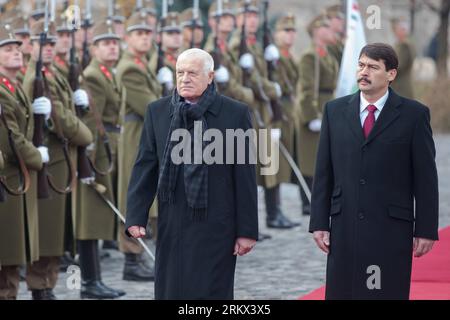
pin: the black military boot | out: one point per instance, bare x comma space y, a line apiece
275, 217
135, 270
40, 294
92, 286
50, 295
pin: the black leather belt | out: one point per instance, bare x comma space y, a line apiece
133, 117
109, 127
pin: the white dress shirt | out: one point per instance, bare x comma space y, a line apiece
363, 107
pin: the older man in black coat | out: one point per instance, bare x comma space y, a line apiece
207, 212
375, 194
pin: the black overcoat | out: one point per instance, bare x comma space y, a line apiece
194, 259
374, 195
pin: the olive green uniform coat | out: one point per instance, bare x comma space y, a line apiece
19, 230
403, 82
52, 212
311, 107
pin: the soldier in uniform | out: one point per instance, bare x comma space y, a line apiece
192, 30
406, 55
140, 88
318, 71
264, 90
22, 33
19, 240
95, 220
288, 76
336, 19
228, 75
171, 44
42, 275
62, 46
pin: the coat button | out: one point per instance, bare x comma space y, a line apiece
361, 216
362, 182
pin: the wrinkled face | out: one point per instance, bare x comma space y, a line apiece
372, 75
172, 39
286, 38
107, 50
140, 40
63, 43
11, 56
48, 52
187, 35
26, 46
192, 80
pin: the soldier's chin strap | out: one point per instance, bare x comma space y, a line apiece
24, 175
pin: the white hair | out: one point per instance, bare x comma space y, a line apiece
208, 61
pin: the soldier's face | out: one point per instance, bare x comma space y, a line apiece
401, 31
372, 75
187, 35
172, 40
286, 38
326, 35
11, 57
63, 43
226, 24
337, 24
192, 80
48, 52
107, 51
252, 21
152, 21
140, 40
26, 46
119, 29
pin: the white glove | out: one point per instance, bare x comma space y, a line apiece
246, 61
42, 106
315, 125
88, 180
271, 53
278, 90
165, 76
275, 134
221, 75
44, 154
81, 99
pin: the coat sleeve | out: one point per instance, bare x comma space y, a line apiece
245, 190
425, 180
144, 177
323, 181
139, 94
25, 147
308, 107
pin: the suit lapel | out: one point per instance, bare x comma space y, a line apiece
352, 114
387, 116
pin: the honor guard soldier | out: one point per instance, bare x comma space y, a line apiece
318, 71
140, 88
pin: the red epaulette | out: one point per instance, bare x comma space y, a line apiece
8, 85
106, 72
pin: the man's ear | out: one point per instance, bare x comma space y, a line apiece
210, 77
392, 74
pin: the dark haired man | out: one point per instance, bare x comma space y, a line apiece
375, 195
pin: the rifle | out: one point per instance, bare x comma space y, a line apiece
85, 167
39, 120
246, 73
24, 176
217, 54
271, 66
86, 58
139, 5
161, 53
195, 16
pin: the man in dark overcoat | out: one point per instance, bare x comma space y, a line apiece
207, 211
375, 195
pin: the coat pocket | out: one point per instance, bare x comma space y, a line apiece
401, 213
337, 191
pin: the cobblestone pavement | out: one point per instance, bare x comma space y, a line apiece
285, 267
